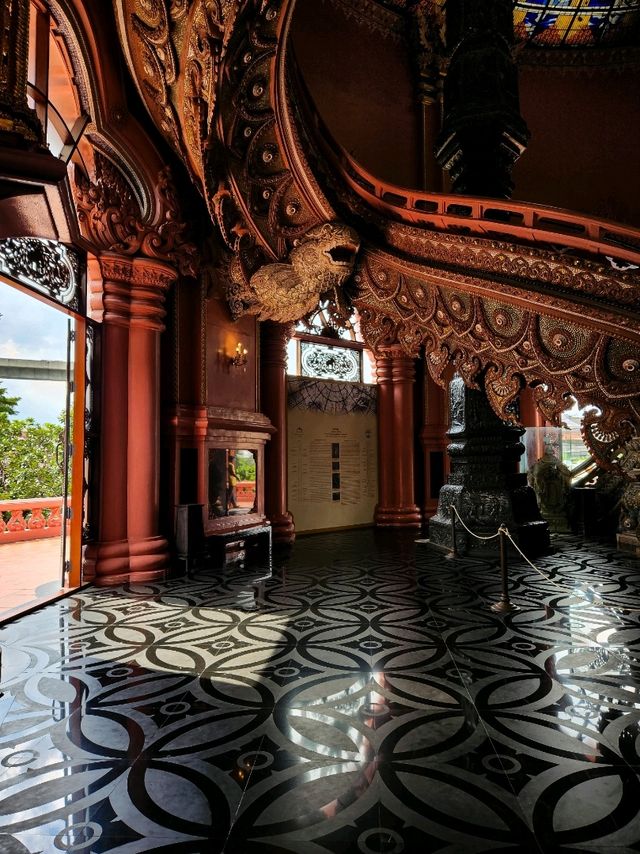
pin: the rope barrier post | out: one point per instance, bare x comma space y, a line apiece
504, 605
454, 547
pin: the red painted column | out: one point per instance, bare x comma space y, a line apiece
107, 560
149, 553
130, 547
273, 378
396, 505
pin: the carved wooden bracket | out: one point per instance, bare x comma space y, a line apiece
320, 263
110, 218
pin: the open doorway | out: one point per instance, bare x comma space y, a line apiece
41, 480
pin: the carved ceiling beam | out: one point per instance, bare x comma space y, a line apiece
209, 74
288, 252
516, 345
174, 49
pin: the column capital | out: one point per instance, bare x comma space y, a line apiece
132, 291
393, 365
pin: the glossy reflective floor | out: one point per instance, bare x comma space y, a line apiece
364, 699
29, 574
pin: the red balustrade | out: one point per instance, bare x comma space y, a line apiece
469, 214
30, 519
246, 493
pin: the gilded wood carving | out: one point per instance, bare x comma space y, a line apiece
318, 266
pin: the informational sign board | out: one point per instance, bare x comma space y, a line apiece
333, 469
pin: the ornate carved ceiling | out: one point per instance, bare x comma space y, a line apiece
174, 49
218, 81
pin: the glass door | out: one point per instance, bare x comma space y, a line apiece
66, 447
42, 415
72, 457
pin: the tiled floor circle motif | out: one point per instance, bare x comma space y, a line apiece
362, 699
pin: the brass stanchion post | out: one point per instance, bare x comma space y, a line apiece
504, 605
454, 547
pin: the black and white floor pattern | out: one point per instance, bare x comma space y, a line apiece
363, 699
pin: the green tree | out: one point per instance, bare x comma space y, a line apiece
7, 404
245, 468
28, 467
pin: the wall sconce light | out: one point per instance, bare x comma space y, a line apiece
239, 358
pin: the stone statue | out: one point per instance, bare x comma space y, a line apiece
629, 532
551, 481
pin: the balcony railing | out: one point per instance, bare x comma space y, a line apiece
30, 519
246, 493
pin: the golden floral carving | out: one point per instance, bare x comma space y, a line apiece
155, 62
208, 26
174, 52
252, 195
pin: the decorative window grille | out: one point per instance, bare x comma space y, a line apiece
330, 363
47, 267
320, 350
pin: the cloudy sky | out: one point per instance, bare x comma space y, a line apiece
29, 329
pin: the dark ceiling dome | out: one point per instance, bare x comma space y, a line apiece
577, 23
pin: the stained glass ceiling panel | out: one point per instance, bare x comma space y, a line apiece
564, 23
577, 23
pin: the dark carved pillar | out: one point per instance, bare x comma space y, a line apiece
427, 53
19, 125
484, 484
483, 133
396, 506
273, 368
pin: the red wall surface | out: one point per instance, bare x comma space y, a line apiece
229, 386
584, 153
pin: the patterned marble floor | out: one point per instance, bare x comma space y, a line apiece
363, 699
